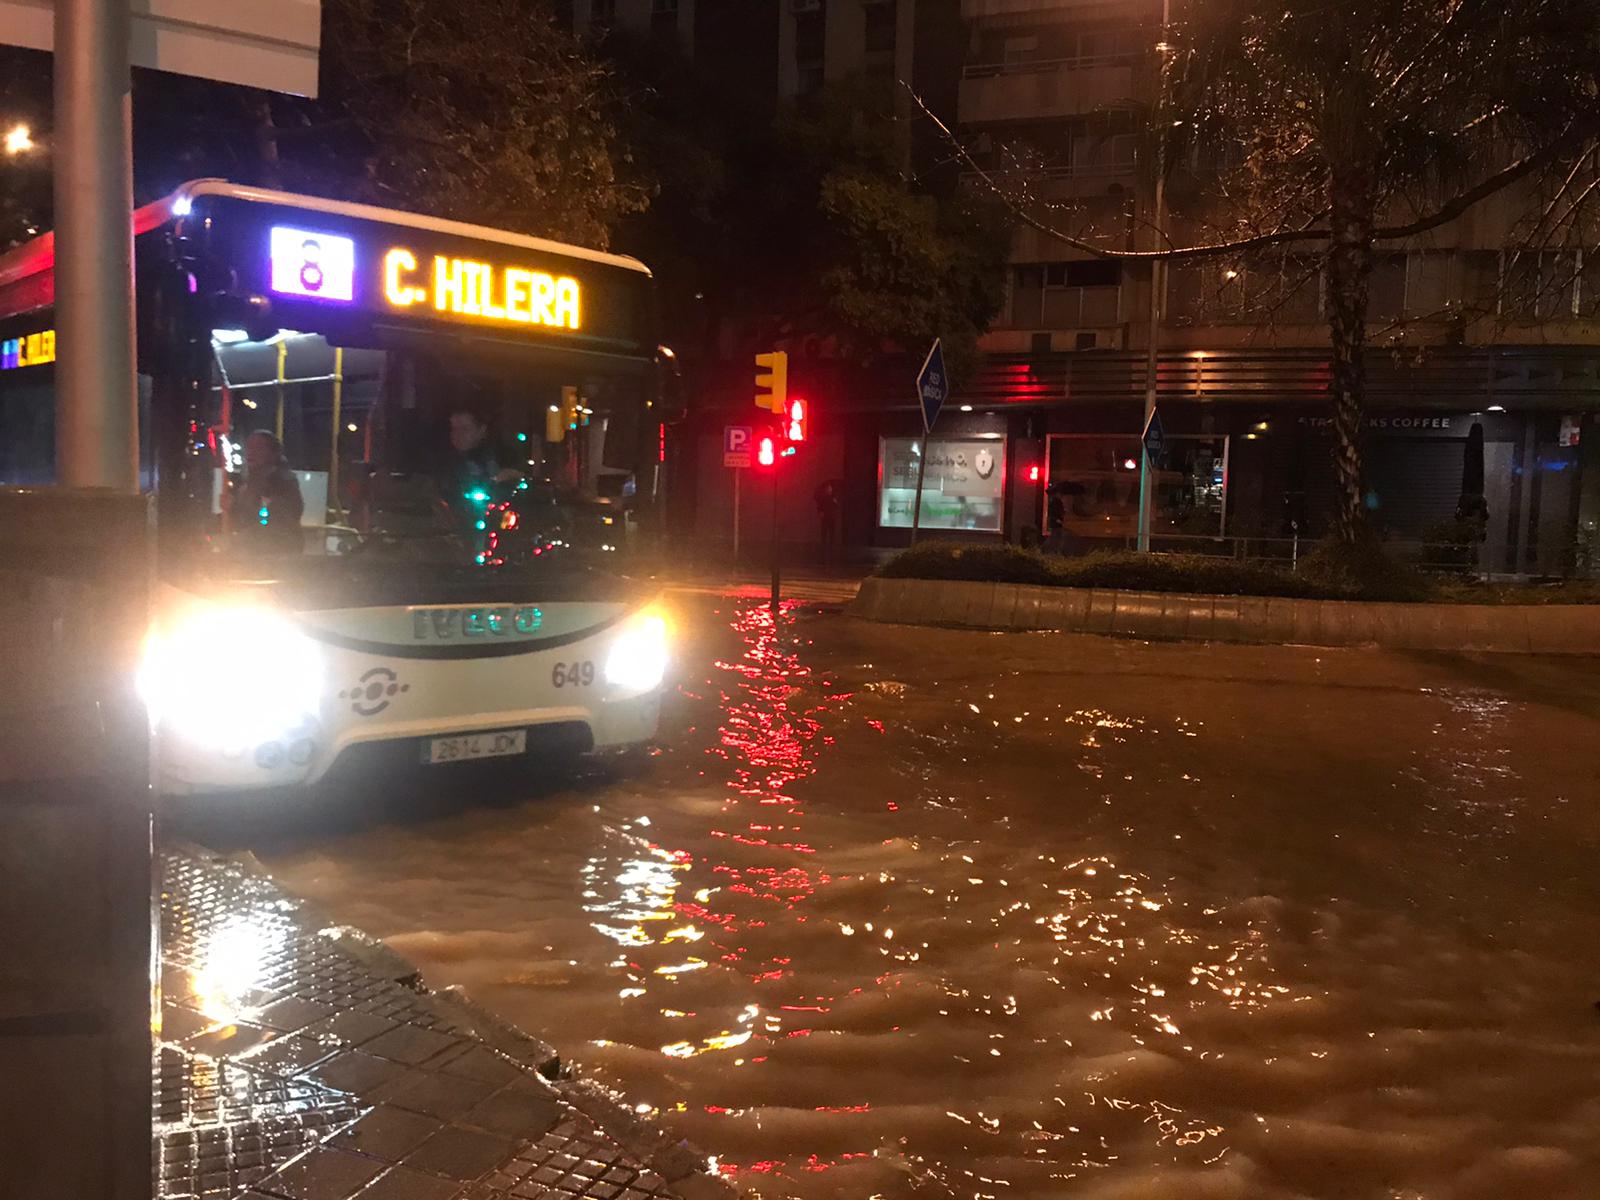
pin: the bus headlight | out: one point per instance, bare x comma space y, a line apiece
271, 684
638, 658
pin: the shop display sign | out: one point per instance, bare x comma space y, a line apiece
964, 487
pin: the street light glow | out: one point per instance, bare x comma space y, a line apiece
19, 139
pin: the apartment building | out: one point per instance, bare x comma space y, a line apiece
796, 46
1465, 333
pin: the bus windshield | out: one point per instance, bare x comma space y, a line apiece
446, 454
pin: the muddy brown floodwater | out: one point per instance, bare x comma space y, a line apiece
909, 912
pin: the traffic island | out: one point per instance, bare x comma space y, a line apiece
1488, 628
300, 1060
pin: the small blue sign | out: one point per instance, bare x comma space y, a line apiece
933, 385
1154, 437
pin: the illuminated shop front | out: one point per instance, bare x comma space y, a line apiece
963, 488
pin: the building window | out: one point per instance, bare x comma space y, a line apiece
1280, 291
1094, 479
1069, 295
810, 40
663, 16
1540, 284
1430, 286
1018, 51
1589, 285
1386, 290
963, 486
602, 13
878, 27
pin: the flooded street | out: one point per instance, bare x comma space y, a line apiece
909, 912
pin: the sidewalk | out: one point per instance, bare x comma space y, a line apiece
301, 1061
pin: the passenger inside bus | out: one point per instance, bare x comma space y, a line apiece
266, 506
473, 464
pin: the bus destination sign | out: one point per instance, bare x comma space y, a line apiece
29, 350
317, 265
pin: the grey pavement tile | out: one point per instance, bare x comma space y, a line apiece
442, 1096
350, 1028
322, 1174
523, 1109
229, 1041
288, 1056
398, 1183
410, 1044
357, 1072
388, 1133
292, 1014
481, 1063
460, 1154
179, 1021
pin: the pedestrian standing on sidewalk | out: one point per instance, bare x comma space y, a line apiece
827, 498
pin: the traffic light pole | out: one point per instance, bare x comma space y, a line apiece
775, 579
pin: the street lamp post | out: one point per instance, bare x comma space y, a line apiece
1158, 277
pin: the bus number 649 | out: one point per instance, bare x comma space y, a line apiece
578, 674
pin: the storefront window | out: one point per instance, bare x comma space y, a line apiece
1096, 478
963, 487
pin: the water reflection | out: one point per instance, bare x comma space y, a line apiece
767, 741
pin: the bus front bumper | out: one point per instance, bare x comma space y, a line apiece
311, 753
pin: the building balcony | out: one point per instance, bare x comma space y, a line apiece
1040, 90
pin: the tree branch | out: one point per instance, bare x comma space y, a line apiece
1457, 206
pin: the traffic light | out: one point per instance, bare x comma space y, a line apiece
795, 426
766, 451
562, 417
772, 381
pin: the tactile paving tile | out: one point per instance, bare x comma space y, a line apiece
576, 1159
229, 1121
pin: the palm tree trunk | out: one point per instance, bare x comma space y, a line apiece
1349, 276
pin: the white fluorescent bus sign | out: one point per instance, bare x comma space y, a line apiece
318, 266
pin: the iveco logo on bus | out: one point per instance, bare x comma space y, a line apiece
447, 624
462, 287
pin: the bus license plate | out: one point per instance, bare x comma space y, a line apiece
494, 744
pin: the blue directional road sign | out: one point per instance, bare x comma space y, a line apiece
1154, 437
933, 386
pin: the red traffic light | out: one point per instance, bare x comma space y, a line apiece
1034, 473
795, 430
766, 452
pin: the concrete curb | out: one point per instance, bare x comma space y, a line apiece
1268, 620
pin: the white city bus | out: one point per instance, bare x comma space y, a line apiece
393, 458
